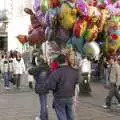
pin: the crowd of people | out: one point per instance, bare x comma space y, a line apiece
60, 77
12, 67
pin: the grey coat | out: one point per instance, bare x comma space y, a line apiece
114, 75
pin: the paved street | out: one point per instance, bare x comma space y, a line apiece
24, 105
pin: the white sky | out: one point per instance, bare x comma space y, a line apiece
2, 4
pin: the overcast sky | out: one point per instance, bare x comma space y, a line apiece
2, 4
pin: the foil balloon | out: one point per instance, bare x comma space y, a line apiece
44, 5
114, 40
82, 7
50, 49
107, 2
34, 21
79, 28
92, 49
94, 13
51, 17
114, 9
91, 33
104, 16
117, 4
36, 5
67, 16
62, 35
22, 39
77, 43
48, 34
36, 36
54, 3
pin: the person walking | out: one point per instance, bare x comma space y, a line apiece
11, 69
19, 69
40, 74
63, 82
5, 69
114, 78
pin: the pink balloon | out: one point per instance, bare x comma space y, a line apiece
82, 6
107, 2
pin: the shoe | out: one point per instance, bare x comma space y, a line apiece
37, 118
106, 107
118, 105
7, 88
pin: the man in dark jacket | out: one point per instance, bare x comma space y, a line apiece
40, 74
62, 82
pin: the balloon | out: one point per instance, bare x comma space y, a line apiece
36, 36
117, 4
107, 2
94, 13
50, 49
82, 7
34, 21
22, 39
105, 15
93, 3
79, 28
91, 33
77, 43
92, 49
36, 5
113, 9
114, 40
62, 35
67, 16
44, 5
116, 35
54, 3
51, 17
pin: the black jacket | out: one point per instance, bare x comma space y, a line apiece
62, 82
40, 75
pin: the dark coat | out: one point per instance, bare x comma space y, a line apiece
40, 75
62, 82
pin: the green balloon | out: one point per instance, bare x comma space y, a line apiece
44, 5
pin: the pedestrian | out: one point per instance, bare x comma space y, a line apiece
11, 69
63, 82
19, 69
85, 75
5, 71
107, 68
40, 74
1, 67
114, 78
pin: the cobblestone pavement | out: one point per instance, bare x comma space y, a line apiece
23, 104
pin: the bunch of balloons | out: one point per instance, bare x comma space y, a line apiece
76, 23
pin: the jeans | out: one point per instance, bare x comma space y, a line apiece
43, 109
64, 108
113, 92
7, 78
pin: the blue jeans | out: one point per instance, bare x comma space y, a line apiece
43, 109
64, 108
7, 78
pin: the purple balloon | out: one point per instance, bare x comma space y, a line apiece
113, 9
117, 4
107, 2
82, 6
36, 5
